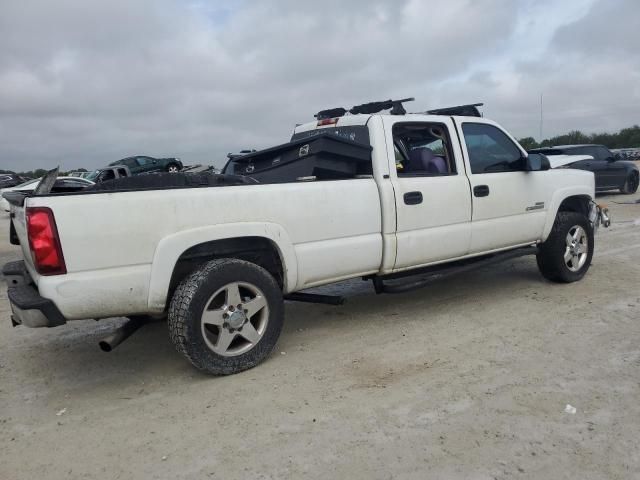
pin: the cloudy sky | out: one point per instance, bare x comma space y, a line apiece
85, 82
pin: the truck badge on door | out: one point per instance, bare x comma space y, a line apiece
304, 150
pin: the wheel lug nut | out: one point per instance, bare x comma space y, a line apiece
225, 315
225, 325
240, 329
231, 308
239, 306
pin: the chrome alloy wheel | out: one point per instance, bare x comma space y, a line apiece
577, 248
235, 319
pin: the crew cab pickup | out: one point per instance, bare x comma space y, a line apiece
387, 195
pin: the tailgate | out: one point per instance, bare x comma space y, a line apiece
18, 201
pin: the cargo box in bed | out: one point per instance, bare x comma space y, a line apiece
323, 157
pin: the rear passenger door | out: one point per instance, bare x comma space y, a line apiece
432, 197
509, 203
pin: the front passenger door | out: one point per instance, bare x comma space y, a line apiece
509, 203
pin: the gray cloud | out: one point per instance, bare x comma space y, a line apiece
83, 83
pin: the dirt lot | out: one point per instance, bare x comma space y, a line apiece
468, 378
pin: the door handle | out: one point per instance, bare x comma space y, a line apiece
481, 190
412, 198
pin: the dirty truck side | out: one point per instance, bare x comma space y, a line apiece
366, 195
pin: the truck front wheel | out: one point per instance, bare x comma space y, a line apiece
566, 255
227, 316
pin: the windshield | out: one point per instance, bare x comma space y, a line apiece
93, 175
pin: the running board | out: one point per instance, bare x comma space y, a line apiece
315, 298
437, 272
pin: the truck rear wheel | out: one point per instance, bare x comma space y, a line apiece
227, 316
566, 255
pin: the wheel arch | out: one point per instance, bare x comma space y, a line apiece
177, 255
567, 200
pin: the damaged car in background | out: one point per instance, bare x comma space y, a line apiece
371, 191
611, 172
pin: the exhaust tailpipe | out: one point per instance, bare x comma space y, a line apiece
120, 334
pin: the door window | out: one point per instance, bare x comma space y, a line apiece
422, 149
144, 161
490, 149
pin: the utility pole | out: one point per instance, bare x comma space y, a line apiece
540, 137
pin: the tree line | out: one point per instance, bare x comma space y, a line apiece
39, 172
625, 138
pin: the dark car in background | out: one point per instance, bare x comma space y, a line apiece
8, 180
144, 164
611, 173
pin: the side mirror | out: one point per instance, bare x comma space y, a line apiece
536, 162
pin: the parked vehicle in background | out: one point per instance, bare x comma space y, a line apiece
198, 168
79, 174
63, 184
632, 154
611, 173
8, 180
378, 196
109, 173
143, 164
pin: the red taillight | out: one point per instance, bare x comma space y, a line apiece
328, 121
44, 242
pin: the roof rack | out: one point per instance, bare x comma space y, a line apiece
470, 110
367, 108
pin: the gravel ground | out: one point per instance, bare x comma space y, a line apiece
468, 378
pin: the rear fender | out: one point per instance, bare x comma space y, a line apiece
170, 249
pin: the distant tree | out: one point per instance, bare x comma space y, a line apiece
528, 143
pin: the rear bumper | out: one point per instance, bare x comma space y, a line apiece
28, 307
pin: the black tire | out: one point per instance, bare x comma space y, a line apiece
190, 300
550, 257
631, 183
172, 166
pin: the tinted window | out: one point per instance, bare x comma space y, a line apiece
490, 149
604, 153
129, 162
598, 153
144, 161
583, 151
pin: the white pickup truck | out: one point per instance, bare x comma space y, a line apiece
432, 192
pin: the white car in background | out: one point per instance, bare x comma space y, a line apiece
32, 184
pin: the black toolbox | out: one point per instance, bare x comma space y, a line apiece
322, 157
